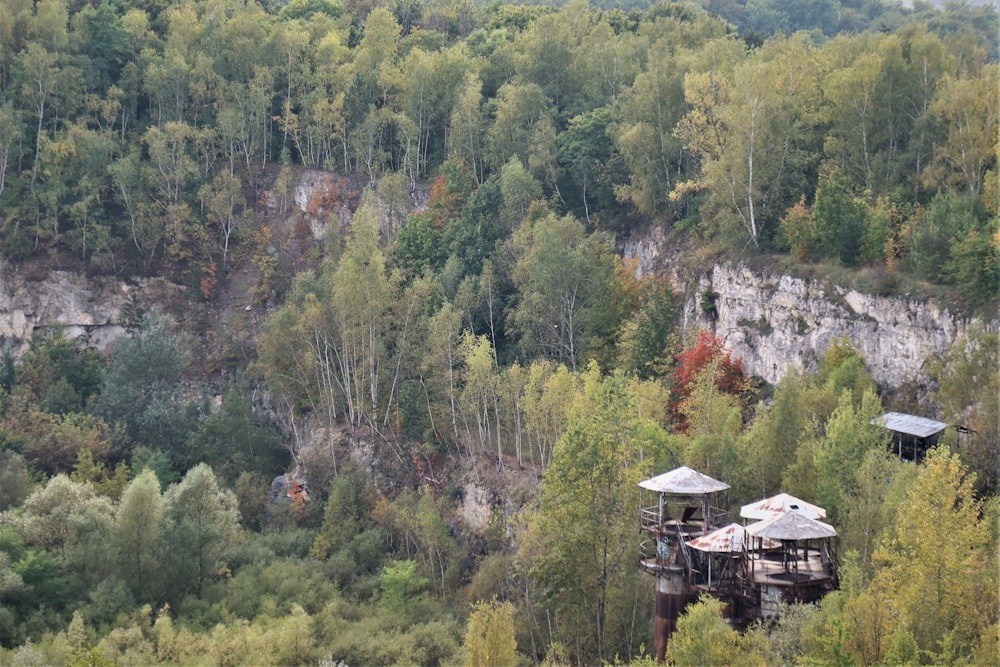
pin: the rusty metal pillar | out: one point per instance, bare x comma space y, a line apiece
671, 598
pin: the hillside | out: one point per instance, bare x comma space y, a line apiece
343, 332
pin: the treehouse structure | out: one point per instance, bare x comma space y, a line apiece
787, 555
676, 507
912, 436
792, 559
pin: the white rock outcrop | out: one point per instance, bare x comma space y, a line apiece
87, 307
775, 322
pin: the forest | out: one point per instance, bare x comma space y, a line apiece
421, 440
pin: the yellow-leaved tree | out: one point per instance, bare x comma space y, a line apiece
939, 563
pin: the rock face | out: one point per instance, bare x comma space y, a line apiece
776, 322
86, 307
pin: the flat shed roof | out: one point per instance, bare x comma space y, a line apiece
921, 427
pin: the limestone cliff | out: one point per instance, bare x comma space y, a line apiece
773, 322
86, 307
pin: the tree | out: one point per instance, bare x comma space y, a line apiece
968, 380
10, 137
708, 352
138, 537
233, 439
703, 638
840, 219
769, 17
200, 519
14, 480
56, 374
221, 200
968, 107
848, 435
565, 278
548, 395
465, 136
519, 110
750, 136
581, 536
170, 174
54, 441
869, 506
938, 562
347, 513
361, 299
519, 189
72, 522
402, 588
588, 155
489, 635
649, 111
434, 82
772, 439
142, 389
647, 341
480, 398
710, 421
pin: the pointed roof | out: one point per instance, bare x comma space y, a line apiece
727, 540
791, 526
779, 504
683, 481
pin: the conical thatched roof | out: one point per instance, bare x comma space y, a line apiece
683, 481
779, 504
791, 526
730, 539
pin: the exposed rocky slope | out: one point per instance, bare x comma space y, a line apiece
772, 322
776, 322
89, 307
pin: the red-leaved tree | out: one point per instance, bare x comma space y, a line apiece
708, 351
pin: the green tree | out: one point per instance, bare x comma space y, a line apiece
480, 398
295, 639
138, 536
649, 111
14, 480
848, 435
53, 442
200, 519
362, 297
712, 420
968, 389
966, 107
840, 219
564, 276
588, 156
772, 439
56, 374
749, 135
519, 109
647, 340
402, 589
233, 439
142, 389
73, 523
466, 127
170, 174
519, 189
703, 638
347, 513
581, 535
